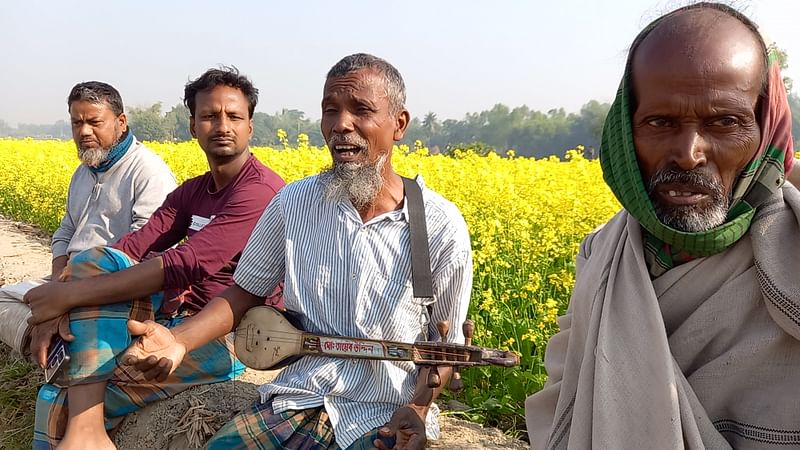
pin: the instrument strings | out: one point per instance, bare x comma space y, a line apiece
295, 337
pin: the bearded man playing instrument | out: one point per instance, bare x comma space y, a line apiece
341, 241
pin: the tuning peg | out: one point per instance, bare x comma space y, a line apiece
444, 327
434, 380
469, 330
456, 385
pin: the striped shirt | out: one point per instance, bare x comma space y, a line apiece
349, 278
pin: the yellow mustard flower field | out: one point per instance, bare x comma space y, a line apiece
526, 218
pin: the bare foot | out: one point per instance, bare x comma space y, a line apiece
86, 440
85, 427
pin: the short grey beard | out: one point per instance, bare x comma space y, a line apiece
690, 219
358, 182
93, 157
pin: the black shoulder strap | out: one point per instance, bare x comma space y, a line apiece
421, 278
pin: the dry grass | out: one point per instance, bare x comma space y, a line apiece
19, 382
197, 423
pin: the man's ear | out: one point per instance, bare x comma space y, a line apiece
122, 119
400, 124
191, 127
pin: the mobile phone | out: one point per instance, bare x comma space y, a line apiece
57, 359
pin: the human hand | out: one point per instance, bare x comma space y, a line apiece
42, 336
48, 301
407, 427
57, 268
156, 353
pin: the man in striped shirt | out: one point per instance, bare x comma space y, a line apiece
341, 242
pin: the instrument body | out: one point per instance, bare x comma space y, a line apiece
266, 339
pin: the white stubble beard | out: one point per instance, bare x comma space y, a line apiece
691, 219
358, 182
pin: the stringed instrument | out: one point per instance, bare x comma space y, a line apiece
266, 339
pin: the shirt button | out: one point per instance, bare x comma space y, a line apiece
354, 275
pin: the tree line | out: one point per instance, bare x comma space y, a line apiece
529, 132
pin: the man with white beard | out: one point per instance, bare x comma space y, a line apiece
341, 242
119, 183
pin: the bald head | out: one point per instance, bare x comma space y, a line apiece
698, 75
703, 38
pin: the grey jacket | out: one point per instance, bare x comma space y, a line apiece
102, 207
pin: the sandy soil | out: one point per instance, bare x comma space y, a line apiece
156, 425
24, 252
179, 422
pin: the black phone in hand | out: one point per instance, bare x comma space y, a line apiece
57, 359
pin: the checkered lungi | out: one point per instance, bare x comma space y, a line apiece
260, 428
101, 334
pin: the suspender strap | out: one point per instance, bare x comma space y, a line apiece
421, 278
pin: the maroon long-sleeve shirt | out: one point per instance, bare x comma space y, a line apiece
217, 225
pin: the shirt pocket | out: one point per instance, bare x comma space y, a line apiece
391, 312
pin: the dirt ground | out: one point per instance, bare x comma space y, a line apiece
189, 418
24, 252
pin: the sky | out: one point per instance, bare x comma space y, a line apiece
456, 56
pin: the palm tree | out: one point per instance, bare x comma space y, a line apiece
430, 123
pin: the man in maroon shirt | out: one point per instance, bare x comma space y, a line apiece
167, 270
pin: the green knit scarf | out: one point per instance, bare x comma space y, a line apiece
666, 247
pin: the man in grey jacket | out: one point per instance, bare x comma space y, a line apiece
119, 183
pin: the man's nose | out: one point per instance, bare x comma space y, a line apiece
690, 149
223, 123
343, 123
85, 130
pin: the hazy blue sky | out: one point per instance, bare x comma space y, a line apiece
456, 56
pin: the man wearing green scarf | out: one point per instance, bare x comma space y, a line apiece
683, 330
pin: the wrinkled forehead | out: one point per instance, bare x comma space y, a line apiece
699, 50
219, 95
90, 107
365, 83
700, 39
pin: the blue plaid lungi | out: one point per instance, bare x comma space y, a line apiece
260, 428
101, 334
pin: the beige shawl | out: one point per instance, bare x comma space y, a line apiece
705, 356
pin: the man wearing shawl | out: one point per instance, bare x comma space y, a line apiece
683, 330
